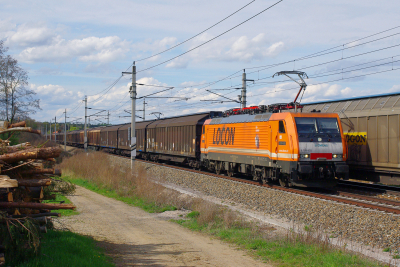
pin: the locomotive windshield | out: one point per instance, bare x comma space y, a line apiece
317, 125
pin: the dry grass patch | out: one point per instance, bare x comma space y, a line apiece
96, 171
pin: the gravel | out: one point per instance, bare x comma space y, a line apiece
368, 227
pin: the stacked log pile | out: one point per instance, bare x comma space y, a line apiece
25, 176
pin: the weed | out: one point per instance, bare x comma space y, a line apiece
193, 214
307, 228
96, 171
386, 250
61, 198
62, 249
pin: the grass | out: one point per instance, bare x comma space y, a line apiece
59, 198
148, 206
290, 251
96, 172
65, 249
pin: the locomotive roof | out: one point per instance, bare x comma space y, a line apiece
242, 118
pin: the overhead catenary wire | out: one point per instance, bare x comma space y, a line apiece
200, 45
277, 64
318, 54
181, 43
306, 57
324, 82
270, 77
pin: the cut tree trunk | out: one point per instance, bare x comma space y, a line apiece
6, 182
37, 215
35, 153
37, 206
38, 171
34, 182
18, 124
12, 149
20, 129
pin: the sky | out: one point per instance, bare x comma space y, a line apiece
76, 48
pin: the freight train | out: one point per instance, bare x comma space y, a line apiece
294, 149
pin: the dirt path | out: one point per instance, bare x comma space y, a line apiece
136, 238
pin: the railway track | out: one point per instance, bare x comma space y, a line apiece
375, 188
342, 197
359, 200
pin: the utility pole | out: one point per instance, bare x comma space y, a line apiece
50, 130
65, 131
242, 98
85, 136
55, 129
144, 109
108, 117
132, 91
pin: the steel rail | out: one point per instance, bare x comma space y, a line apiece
292, 190
369, 198
344, 199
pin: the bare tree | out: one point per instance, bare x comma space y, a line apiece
16, 98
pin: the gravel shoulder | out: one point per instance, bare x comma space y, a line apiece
134, 237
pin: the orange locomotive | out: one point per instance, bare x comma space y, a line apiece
300, 149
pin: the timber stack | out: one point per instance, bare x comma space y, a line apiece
25, 179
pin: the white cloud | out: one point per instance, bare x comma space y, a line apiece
245, 49
30, 35
5, 27
90, 49
395, 88
242, 49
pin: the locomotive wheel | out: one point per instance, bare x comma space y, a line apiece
283, 181
218, 168
229, 172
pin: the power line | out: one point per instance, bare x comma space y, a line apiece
347, 78
196, 34
327, 62
264, 67
211, 38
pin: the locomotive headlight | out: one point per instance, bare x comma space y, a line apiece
304, 156
337, 156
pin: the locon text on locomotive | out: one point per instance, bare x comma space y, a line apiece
224, 136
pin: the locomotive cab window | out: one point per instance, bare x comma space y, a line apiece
317, 125
281, 127
204, 129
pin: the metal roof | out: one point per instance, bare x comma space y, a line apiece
242, 118
384, 104
352, 98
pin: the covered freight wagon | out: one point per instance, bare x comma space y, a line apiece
177, 138
94, 136
124, 138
